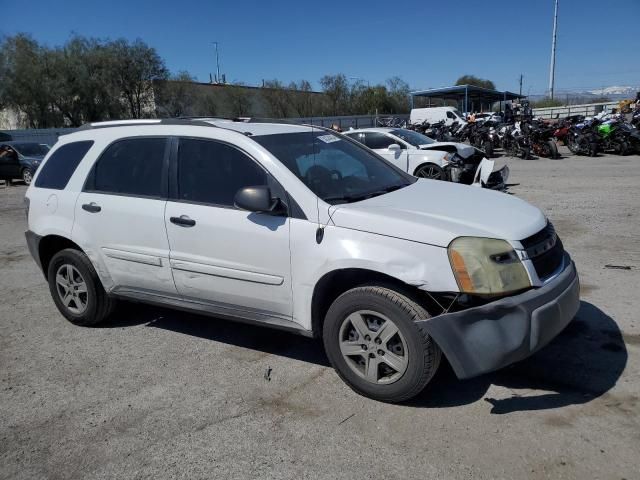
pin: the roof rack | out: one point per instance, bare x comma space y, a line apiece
151, 121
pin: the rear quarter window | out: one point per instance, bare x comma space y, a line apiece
57, 170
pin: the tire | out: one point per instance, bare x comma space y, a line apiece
525, 153
429, 170
88, 304
553, 149
623, 148
488, 148
27, 176
413, 352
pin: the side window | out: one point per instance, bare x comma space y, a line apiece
450, 115
57, 170
132, 166
376, 140
358, 137
213, 172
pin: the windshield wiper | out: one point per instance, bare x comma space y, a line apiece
364, 196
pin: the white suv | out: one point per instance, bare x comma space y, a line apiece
299, 228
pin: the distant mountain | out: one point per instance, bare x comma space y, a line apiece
613, 93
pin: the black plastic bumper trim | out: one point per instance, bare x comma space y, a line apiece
492, 336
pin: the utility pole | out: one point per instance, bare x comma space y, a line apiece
520, 84
552, 71
217, 63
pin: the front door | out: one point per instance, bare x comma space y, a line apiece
119, 218
379, 142
9, 163
236, 261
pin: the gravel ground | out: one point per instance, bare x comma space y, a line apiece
160, 394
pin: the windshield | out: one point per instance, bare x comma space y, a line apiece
414, 138
31, 149
334, 168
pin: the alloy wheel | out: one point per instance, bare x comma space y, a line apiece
27, 176
373, 347
72, 289
429, 171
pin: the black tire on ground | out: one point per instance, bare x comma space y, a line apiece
553, 149
98, 305
525, 153
430, 170
422, 353
623, 148
487, 146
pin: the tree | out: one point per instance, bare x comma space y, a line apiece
478, 82
277, 98
138, 66
399, 95
302, 98
176, 96
238, 99
336, 88
547, 102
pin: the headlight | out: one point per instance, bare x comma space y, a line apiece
486, 266
448, 157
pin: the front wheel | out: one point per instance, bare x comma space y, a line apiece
488, 148
374, 344
27, 176
429, 170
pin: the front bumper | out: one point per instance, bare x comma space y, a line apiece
33, 243
492, 336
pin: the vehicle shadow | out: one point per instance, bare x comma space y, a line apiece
255, 337
582, 363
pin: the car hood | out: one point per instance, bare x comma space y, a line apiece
436, 212
464, 150
32, 158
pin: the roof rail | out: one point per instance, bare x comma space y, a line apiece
151, 121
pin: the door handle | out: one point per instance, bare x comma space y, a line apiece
92, 207
183, 221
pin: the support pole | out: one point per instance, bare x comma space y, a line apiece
552, 70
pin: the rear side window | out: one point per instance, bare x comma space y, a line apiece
58, 169
213, 172
132, 166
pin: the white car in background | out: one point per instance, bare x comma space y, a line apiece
423, 157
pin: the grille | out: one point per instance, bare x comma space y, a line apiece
545, 251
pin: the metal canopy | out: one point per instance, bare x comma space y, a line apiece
468, 97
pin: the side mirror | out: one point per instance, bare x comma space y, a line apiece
394, 147
257, 199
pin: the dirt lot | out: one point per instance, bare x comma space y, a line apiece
158, 394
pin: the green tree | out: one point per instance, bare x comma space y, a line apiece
547, 102
336, 88
276, 97
176, 96
138, 66
303, 100
473, 80
238, 99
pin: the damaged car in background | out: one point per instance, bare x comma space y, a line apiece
423, 157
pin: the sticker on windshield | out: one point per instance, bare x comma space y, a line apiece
328, 138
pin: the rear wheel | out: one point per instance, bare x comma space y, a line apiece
429, 170
373, 342
76, 288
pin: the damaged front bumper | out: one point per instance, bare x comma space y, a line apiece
492, 336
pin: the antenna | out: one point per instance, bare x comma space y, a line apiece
217, 63
552, 71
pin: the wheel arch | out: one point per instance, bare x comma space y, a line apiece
334, 283
50, 245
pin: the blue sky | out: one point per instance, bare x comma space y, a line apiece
427, 43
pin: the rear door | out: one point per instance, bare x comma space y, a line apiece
380, 142
119, 216
236, 261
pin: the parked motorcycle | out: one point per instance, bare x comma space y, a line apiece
540, 139
583, 138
